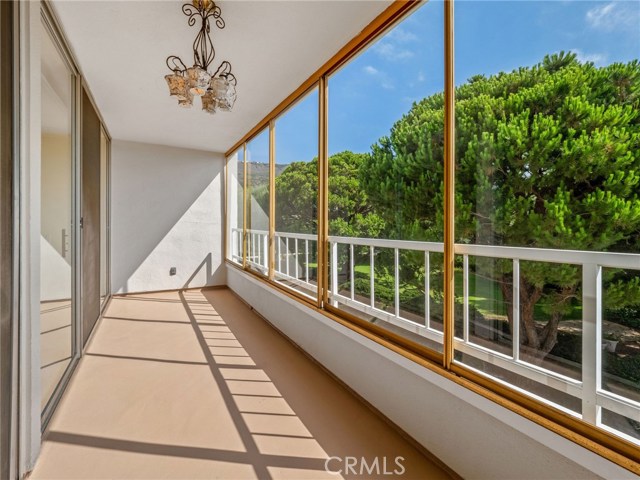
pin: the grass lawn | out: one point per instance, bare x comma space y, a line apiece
484, 294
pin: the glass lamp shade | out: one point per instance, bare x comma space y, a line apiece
198, 80
187, 101
227, 102
177, 85
220, 87
209, 102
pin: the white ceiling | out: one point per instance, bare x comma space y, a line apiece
121, 47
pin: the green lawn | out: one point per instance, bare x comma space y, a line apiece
484, 294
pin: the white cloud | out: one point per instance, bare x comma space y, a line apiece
400, 35
595, 58
597, 16
390, 51
393, 45
382, 77
614, 15
370, 70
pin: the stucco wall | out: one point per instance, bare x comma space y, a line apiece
167, 209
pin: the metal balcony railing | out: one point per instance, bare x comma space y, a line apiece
294, 253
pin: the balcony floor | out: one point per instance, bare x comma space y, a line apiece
193, 384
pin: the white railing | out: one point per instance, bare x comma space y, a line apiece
292, 260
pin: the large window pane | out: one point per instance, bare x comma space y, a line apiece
386, 123
56, 242
257, 198
546, 161
296, 196
235, 205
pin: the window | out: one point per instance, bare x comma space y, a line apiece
257, 198
545, 163
385, 209
546, 247
296, 196
235, 206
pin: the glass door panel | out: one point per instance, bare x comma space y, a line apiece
57, 211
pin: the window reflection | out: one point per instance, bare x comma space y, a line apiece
56, 196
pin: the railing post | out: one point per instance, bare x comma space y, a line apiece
591, 341
265, 250
465, 298
515, 316
427, 288
351, 267
396, 280
296, 250
286, 255
306, 261
334, 271
372, 277
279, 253
234, 245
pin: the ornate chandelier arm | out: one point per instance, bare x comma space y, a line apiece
203, 50
175, 64
224, 70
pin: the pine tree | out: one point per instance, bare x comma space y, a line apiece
546, 157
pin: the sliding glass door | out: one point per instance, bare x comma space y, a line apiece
57, 241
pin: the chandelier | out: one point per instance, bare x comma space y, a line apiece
217, 90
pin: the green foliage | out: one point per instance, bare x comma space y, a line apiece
350, 212
627, 316
297, 198
626, 367
547, 156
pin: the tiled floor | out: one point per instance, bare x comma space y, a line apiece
194, 385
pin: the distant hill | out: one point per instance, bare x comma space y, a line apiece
259, 173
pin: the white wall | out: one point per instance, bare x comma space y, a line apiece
474, 436
167, 209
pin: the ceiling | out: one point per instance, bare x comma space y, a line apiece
121, 47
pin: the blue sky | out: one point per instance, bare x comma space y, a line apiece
376, 88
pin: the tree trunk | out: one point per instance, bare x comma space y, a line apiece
539, 341
529, 296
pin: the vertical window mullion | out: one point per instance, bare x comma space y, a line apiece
323, 193
272, 199
449, 185
244, 205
